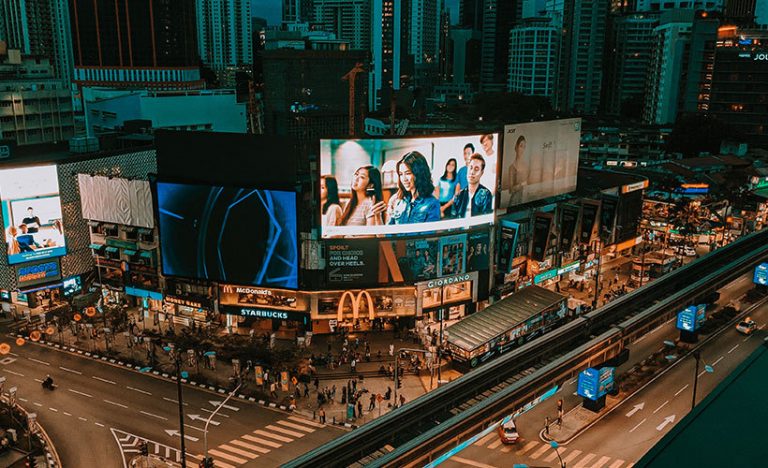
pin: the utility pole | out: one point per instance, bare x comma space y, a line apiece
350, 77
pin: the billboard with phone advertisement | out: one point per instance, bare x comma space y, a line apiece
374, 187
31, 209
541, 159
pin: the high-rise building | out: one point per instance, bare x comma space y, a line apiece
296, 11
697, 79
424, 34
670, 54
39, 28
740, 10
533, 48
124, 43
630, 42
498, 17
349, 20
740, 81
581, 56
662, 5
464, 62
224, 37
471, 14
761, 12
391, 62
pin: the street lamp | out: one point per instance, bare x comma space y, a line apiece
397, 363
555, 446
707, 368
208, 421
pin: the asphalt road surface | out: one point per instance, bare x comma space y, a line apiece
100, 413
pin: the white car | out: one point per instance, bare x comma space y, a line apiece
746, 327
686, 250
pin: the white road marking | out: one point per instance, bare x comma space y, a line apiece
573, 381
23, 399
494, 444
227, 456
296, 426
259, 440
174, 401
285, 431
583, 462
273, 436
39, 361
194, 427
572, 455
70, 370
99, 424
104, 380
466, 461
139, 390
154, 415
116, 404
209, 411
660, 407
718, 360
637, 425
601, 462
305, 421
80, 393
539, 452
487, 438
14, 373
681, 390
745, 339
733, 349
67, 414
616, 464
37, 404
53, 409
242, 452
528, 447
553, 455
81, 418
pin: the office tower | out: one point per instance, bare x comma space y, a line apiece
471, 14
224, 37
464, 61
697, 80
135, 44
761, 12
740, 81
349, 20
392, 65
498, 17
296, 11
39, 28
630, 42
533, 47
424, 34
672, 39
743, 10
581, 56
662, 5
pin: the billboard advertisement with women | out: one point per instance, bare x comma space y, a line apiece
31, 209
378, 187
541, 159
234, 235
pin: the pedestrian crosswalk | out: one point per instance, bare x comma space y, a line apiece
543, 452
261, 441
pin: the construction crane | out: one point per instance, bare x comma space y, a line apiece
350, 76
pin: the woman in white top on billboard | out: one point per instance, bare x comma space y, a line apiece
366, 203
329, 200
517, 173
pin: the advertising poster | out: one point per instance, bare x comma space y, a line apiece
41, 272
507, 244
374, 187
352, 261
588, 217
541, 159
477, 252
237, 235
569, 218
31, 209
452, 254
542, 227
761, 274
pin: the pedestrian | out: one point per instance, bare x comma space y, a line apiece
391, 350
546, 425
273, 390
359, 409
402, 400
322, 416
333, 391
354, 385
372, 405
292, 405
306, 390
317, 383
353, 364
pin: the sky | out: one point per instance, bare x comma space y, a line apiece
271, 9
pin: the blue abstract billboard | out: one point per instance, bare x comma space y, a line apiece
234, 235
686, 319
595, 383
761, 274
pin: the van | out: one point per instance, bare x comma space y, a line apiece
508, 432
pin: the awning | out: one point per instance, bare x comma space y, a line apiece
762, 193
111, 249
110, 226
146, 254
93, 223
96, 246
145, 231
129, 228
129, 252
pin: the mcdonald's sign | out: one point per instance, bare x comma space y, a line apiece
355, 304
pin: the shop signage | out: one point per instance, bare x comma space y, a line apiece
123, 244
139, 268
570, 267
138, 292
38, 273
262, 297
435, 283
632, 187
185, 302
104, 262
541, 277
264, 313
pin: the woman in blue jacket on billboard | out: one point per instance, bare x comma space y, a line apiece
414, 201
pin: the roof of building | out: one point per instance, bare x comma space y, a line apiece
726, 429
495, 320
591, 181
58, 153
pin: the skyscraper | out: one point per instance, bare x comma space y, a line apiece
581, 55
630, 45
40, 28
224, 37
296, 11
498, 18
350, 20
533, 47
147, 44
662, 5
389, 50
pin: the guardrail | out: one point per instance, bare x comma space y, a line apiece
51, 455
365, 444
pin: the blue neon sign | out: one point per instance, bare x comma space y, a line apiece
761, 274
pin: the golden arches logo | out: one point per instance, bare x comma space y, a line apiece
355, 304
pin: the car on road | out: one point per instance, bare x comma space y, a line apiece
686, 250
746, 326
508, 432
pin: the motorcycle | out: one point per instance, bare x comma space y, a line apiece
49, 385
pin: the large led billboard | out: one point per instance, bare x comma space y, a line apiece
235, 235
541, 159
32, 213
377, 187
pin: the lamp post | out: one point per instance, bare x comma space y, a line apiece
707, 368
598, 253
397, 364
208, 421
555, 446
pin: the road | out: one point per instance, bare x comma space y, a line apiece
622, 436
101, 412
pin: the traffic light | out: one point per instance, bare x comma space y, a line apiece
144, 449
206, 463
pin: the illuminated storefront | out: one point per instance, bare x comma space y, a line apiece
360, 309
453, 293
264, 309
